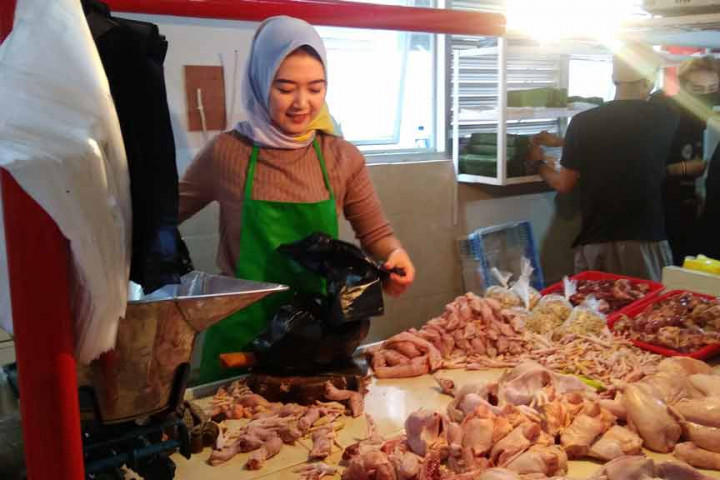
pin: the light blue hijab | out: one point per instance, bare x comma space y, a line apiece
274, 40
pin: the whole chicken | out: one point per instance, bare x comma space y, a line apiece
650, 418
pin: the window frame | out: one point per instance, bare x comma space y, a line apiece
438, 150
376, 151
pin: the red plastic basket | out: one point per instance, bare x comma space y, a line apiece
636, 308
655, 287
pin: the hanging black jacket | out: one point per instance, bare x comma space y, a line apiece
132, 55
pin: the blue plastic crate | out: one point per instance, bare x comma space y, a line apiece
501, 247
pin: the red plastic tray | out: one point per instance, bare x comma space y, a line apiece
655, 287
638, 307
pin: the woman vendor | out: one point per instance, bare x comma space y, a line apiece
279, 176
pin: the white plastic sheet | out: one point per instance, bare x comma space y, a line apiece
61, 141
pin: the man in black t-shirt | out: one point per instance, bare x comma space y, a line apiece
616, 155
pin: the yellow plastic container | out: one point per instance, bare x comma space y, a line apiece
702, 263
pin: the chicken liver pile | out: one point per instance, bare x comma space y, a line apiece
684, 323
477, 333
615, 294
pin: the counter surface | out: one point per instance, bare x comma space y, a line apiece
389, 402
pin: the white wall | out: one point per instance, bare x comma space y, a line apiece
417, 198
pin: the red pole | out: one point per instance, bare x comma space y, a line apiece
38, 267
38, 263
7, 14
327, 12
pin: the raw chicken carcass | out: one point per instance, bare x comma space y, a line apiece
454, 433
555, 417
643, 468
684, 366
673, 470
616, 442
322, 443
269, 449
434, 356
690, 453
498, 474
550, 460
477, 434
394, 358
412, 369
627, 468
315, 471
708, 384
311, 416
372, 465
702, 436
423, 429
407, 348
514, 443
469, 397
520, 385
446, 385
290, 433
355, 400
407, 465
244, 443
650, 418
582, 433
616, 406
670, 388
703, 411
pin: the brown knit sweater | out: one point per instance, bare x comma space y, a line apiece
218, 174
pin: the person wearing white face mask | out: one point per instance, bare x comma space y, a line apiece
698, 93
279, 176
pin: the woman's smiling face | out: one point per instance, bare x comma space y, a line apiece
298, 92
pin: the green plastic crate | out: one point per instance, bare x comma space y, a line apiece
491, 139
538, 97
486, 165
479, 149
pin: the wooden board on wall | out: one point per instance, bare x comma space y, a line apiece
211, 82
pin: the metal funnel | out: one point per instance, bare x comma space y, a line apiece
142, 375
205, 299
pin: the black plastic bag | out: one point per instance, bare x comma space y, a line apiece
354, 280
317, 332
299, 340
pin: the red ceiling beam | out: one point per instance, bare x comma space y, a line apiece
327, 12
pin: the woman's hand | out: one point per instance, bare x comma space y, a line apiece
396, 284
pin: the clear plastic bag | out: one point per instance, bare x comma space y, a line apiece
507, 297
549, 314
569, 288
585, 319
529, 296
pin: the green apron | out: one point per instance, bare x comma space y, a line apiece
266, 225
